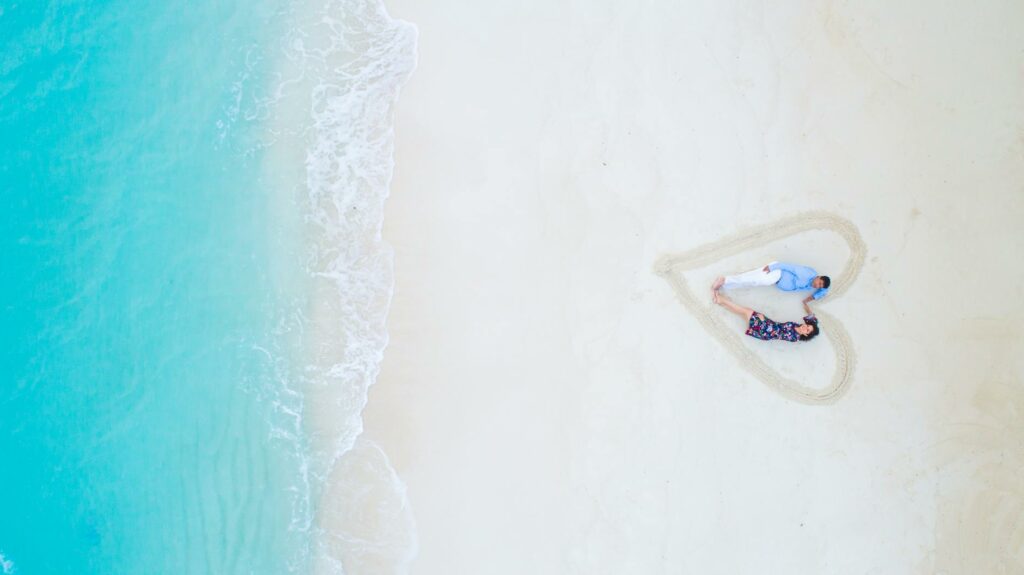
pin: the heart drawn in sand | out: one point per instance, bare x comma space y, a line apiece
672, 267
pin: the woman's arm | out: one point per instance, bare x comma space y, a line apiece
807, 308
744, 312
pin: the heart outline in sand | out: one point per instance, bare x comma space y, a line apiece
671, 268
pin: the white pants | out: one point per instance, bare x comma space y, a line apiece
753, 278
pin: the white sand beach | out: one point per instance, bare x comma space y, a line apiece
552, 406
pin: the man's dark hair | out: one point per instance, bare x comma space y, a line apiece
825, 282
814, 332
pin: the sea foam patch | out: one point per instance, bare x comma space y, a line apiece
342, 66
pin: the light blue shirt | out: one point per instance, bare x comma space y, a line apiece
797, 278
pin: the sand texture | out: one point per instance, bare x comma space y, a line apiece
550, 406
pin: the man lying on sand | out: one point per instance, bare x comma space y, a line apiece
786, 277
761, 327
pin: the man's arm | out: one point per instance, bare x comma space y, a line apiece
799, 271
807, 308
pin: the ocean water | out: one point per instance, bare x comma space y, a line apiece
193, 286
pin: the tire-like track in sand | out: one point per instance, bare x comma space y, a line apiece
671, 267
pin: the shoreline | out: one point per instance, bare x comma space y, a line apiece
331, 153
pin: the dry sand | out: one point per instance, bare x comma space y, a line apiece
551, 406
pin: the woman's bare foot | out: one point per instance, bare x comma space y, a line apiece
718, 283
715, 296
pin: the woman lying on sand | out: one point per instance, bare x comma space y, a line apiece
761, 327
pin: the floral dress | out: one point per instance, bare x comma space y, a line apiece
763, 328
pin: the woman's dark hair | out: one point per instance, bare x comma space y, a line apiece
814, 332
825, 282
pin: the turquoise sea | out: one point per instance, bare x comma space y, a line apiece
189, 252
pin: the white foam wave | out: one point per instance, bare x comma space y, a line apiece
344, 63
6, 564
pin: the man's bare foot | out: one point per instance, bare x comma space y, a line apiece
718, 283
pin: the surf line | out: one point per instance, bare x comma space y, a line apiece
671, 268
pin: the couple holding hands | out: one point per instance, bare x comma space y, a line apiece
786, 277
